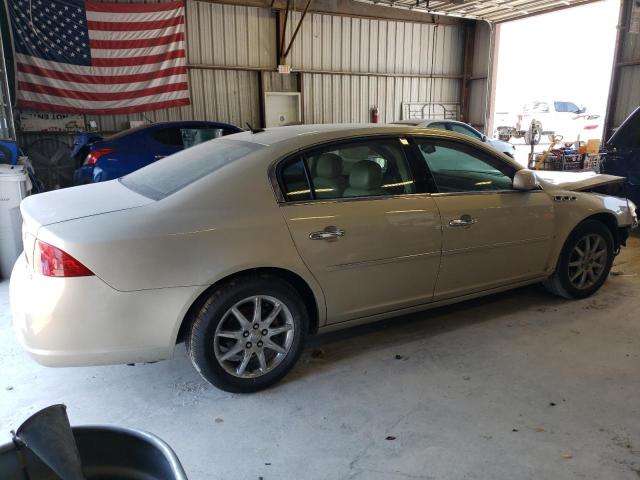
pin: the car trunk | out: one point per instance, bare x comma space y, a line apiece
77, 202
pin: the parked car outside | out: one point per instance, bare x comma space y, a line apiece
244, 246
549, 117
464, 129
622, 155
135, 148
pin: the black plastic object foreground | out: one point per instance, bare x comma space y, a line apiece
48, 435
107, 453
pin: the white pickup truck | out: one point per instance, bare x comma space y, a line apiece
549, 117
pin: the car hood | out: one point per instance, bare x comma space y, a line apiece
78, 202
575, 181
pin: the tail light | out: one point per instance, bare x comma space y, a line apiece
590, 127
50, 261
95, 155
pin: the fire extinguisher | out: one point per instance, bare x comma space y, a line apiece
375, 117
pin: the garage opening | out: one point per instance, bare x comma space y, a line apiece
554, 70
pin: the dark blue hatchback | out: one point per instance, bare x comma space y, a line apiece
135, 148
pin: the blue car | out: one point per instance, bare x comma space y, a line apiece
622, 155
135, 148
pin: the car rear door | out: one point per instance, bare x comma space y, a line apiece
370, 240
493, 235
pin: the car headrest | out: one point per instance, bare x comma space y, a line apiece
366, 175
329, 165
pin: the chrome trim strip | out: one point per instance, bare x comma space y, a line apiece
402, 131
495, 245
381, 261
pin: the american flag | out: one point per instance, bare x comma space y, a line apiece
88, 57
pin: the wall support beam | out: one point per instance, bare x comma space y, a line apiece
467, 69
623, 21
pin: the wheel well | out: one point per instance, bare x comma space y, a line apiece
609, 220
295, 280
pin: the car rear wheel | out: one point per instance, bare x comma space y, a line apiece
248, 334
584, 263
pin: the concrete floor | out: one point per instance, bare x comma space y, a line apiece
520, 385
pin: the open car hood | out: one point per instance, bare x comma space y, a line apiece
576, 181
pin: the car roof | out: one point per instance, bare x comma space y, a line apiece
286, 140
328, 131
159, 125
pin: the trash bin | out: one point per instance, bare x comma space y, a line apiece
14, 186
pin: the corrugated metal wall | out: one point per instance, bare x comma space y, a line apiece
364, 62
347, 65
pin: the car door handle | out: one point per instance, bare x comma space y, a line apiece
463, 221
329, 233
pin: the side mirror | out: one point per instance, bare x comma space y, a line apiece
484, 138
525, 180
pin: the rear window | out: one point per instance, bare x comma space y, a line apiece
173, 173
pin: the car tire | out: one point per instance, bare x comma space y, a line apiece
578, 276
227, 323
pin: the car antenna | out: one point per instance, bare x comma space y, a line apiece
255, 130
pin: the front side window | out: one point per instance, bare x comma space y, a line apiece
456, 167
470, 132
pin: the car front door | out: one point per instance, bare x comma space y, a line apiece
493, 235
372, 243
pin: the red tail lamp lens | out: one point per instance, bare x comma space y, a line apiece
50, 261
591, 127
94, 156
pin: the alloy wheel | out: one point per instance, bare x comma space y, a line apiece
588, 261
254, 336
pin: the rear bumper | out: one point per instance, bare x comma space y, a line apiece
82, 321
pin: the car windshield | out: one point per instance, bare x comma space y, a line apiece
173, 173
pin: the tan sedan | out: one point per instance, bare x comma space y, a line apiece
243, 246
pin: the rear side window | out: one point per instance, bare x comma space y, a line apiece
361, 168
456, 127
294, 181
173, 173
168, 136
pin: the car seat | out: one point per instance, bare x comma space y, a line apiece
365, 180
329, 182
